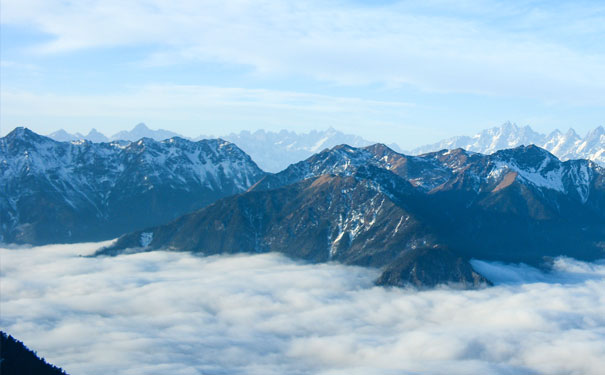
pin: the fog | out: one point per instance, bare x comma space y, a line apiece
177, 313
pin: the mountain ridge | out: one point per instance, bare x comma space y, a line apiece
566, 146
83, 191
274, 151
375, 207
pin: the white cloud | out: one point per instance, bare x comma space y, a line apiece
163, 312
486, 47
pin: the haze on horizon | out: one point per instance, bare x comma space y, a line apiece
389, 71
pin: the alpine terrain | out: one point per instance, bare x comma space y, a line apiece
272, 151
82, 191
418, 218
565, 146
275, 151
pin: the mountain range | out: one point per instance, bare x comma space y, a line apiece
275, 151
84, 191
566, 146
139, 131
421, 219
272, 151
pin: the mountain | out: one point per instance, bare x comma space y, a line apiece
63, 136
274, 151
139, 131
142, 131
418, 218
18, 359
83, 191
95, 136
566, 146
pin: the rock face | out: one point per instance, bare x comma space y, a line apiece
566, 146
419, 218
82, 191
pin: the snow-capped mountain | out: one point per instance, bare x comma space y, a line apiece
82, 191
565, 146
419, 218
274, 151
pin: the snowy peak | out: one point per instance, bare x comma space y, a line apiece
531, 164
22, 139
527, 156
274, 151
82, 191
565, 146
23, 134
372, 206
447, 170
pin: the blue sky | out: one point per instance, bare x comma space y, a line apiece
405, 72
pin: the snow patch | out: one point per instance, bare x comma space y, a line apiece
552, 179
146, 238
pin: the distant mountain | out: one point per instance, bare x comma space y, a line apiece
419, 218
274, 151
82, 191
18, 359
142, 131
63, 136
565, 146
95, 136
139, 131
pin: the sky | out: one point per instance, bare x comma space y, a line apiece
178, 313
391, 71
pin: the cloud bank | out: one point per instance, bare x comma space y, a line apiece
177, 313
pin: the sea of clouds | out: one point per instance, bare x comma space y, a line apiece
177, 313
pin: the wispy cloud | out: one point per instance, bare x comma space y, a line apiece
198, 107
485, 47
177, 313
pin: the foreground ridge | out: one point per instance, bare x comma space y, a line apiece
54, 192
419, 218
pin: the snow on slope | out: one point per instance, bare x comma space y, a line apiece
96, 177
565, 146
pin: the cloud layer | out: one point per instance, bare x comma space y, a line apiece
176, 313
